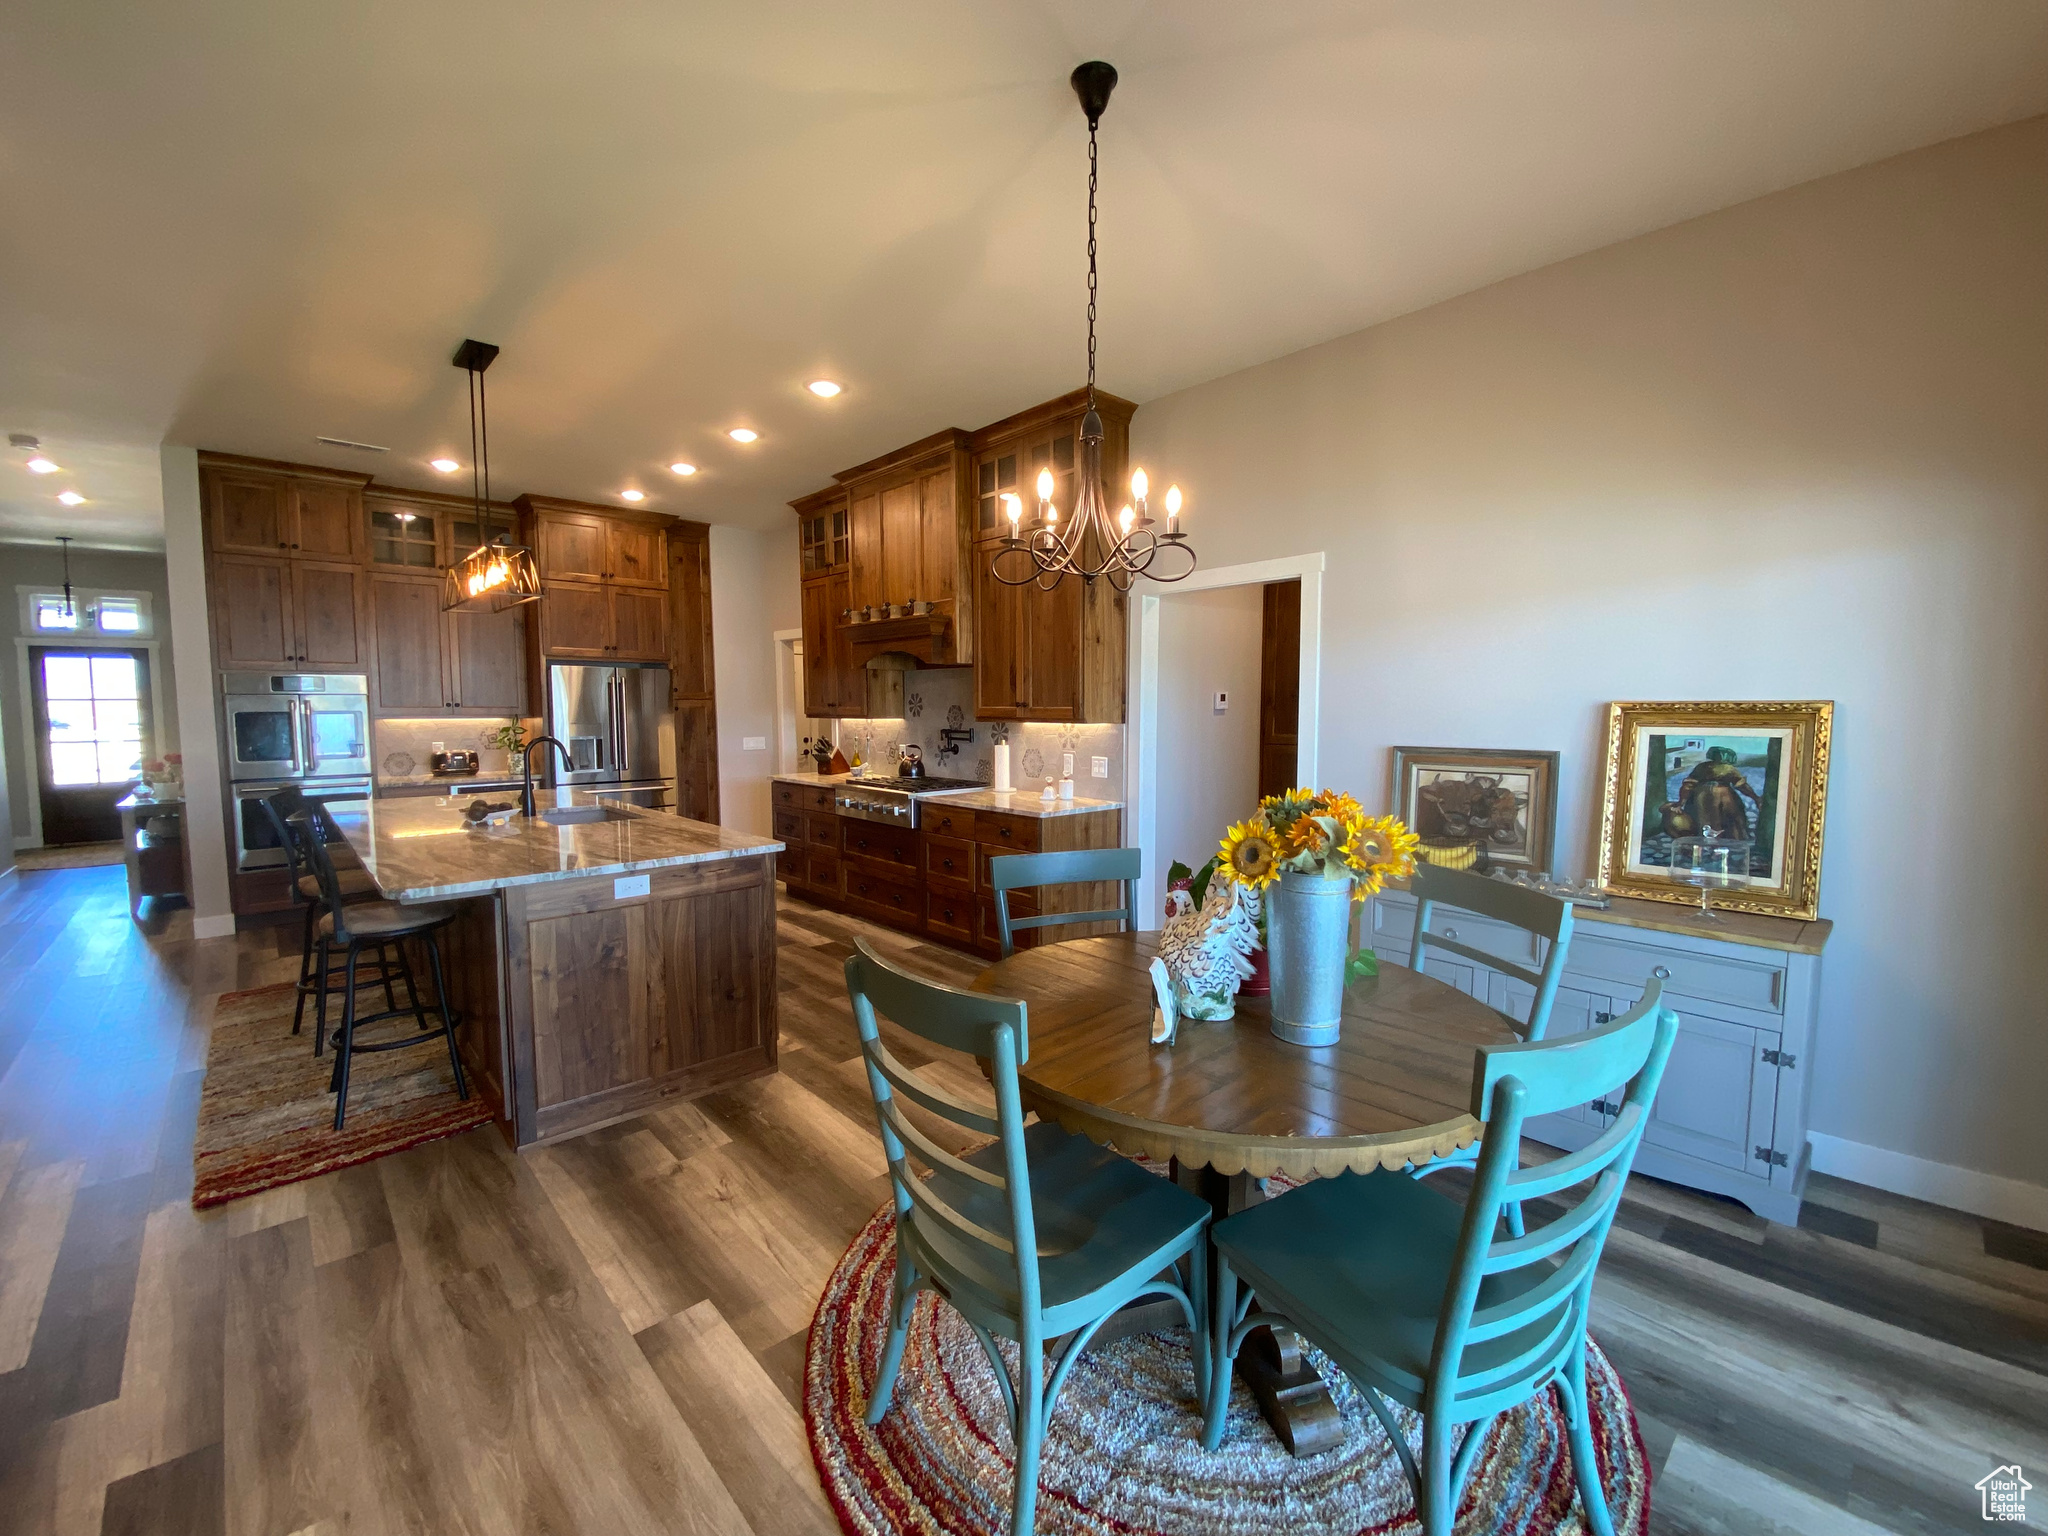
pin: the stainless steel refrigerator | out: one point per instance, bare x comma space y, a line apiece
615, 720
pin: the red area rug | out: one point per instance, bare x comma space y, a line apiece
266, 1117
1123, 1454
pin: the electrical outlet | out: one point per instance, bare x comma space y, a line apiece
1066, 765
1222, 701
1099, 766
753, 743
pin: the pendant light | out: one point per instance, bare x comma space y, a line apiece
497, 574
65, 540
1091, 543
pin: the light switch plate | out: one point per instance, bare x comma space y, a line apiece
753, 743
1222, 701
1066, 765
632, 885
1099, 766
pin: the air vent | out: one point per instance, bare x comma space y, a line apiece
342, 442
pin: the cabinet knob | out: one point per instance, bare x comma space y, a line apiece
1661, 972
1450, 933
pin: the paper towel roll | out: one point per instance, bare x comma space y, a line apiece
1003, 766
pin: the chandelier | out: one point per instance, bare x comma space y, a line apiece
496, 574
1091, 543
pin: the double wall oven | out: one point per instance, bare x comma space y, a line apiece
307, 729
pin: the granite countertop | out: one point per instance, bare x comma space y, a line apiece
419, 848
1015, 802
1023, 802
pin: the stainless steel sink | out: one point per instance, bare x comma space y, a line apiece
572, 815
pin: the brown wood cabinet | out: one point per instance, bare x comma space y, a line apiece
934, 880
278, 612
468, 662
1057, 655
692, 674
922, 525
255, 507
422, 531
604, 580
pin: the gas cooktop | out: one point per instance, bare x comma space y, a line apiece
892, 799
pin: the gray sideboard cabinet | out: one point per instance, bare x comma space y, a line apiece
1731, 1116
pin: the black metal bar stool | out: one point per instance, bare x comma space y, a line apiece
356, 885
352, 927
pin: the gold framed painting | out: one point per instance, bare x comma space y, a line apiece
1756, 770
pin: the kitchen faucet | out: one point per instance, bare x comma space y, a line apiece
526, 764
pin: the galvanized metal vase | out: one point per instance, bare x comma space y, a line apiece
1308, 923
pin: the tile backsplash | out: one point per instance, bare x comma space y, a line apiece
940, 697
405, 747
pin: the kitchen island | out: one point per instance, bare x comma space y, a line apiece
603, 958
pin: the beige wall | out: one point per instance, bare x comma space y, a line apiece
1795, 449
753, 594
1209, 642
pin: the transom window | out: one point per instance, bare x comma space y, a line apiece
90, 611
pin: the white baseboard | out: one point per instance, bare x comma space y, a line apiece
222, 927
11, 869
1961, 1189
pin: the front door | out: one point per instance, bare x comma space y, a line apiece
93, 730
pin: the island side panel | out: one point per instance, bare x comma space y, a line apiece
473, 954
618, 1004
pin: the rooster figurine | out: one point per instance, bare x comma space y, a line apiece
1205, 948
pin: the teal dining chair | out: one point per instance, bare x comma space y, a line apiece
1039, 1236
1431, 1304
1026, 871
1545, 918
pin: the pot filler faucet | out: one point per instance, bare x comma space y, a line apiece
526, 765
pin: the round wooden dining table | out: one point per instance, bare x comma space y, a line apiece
1229, 1104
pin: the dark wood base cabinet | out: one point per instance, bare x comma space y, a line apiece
935, 880
579, 1008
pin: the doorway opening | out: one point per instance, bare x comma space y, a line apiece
90, 709
1227, 666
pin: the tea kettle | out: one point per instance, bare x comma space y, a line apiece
912, 766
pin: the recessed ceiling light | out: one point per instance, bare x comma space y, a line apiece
823, 388
743, 434
42, 466
70, 498
683, 469
634, 495
446, 466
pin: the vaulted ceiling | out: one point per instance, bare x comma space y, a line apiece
242, 225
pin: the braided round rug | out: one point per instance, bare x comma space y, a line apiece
1123, 1454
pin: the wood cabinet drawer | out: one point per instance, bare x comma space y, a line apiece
823, 867
872, 840
897, 900
821, 829
934, 817
948, 861
788, 826
988, 932
983, 853
949, 915
1006, 833
1711, 978
791, 866
803, 797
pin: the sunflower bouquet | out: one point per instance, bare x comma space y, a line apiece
1323, 833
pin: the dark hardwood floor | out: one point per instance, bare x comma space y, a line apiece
605, 1336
